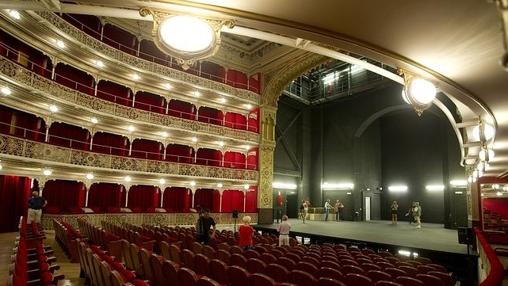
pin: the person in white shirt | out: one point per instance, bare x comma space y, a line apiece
283, 230
328, 206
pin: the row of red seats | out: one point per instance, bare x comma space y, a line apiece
31, 263
66, 236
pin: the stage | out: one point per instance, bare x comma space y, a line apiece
430, 238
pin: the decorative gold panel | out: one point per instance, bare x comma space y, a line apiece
10, 145
40, 83
166, 219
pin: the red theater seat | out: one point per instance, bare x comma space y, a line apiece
277, 272
358, 280
329, 282
218, 271
237, 276
238, 260
430, 280
377, 275
387, 283
408, 281
255, 265
186, 277
201, 264
446, 278
352, 269
332, 273
259, 279
302, 278
205, 281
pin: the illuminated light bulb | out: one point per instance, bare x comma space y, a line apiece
164, 134
186, 33
194, 139
168, 86
219, 185
135, 76
94, 120
162, 181
483, 153
245, 187
127, 178
90, 176
60, 44
47, 172
221, 143
53, 108
489, 132
193, 183
131, 128
196, 93
222, 100
14, 14
422, 91
5, 90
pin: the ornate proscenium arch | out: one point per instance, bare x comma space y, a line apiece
275, 84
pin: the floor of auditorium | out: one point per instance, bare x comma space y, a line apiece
432, 237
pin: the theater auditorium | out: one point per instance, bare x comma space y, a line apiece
258, 143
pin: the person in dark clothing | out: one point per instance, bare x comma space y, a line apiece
203, 227
35, 205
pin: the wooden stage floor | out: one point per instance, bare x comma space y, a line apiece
431, 237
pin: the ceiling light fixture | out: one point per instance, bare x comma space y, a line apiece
458, 183
162, 181
397, 189
193, 183
337, 186
135, 76
418, 92
220, 185
60, 44
194, 139
284, 186
186, 38
94, 120
247, 147
99, 63
196, 93
246, 187
127, 178
5, 90
168, 86
248, 106
435, 188
221, 143
222, 100
14, 14
488, 131
164, 134
484, 155
53, 108
499, 194
131, 128
90, 176
47, 172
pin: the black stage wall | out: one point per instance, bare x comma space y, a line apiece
372, 139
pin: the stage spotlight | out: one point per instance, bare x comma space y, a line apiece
405, 253
397, 189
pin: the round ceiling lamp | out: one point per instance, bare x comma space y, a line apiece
186, 34
418, 92
488, 132
186, 38
483, 154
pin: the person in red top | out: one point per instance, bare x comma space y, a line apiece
246, 232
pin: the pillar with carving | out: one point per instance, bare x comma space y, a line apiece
266, 151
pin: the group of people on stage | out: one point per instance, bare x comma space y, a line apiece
337, 208
414, 213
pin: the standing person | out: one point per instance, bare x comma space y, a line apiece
283, 230
280, 204
338, 210
300, 215
409, 213
394, 208
306, 205
246, 232
328, 206
35, 205
341, 208
203, 227
417, 213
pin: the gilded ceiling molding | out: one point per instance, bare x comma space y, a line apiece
277, 81
41, 152
127, 59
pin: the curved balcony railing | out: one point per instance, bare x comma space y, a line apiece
11, 53
154, 59
24, 76
490, 264
28, 149
66, 142
153, 67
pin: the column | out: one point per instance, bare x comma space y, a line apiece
133, 98
163, 189
246, 155
197, 112
167, 105
222, 158
88, 184
195, 155
266, 149
42, 182
193, 191
127, 188
247, 121
49, 122
164, 151
131, 139
221, 191
95, 88
53, 71
244, 199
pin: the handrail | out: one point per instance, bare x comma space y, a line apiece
116, 98
151, 58
494, 268
77, 144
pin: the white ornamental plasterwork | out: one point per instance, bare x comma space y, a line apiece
166, 219
25, 77
155, 68
26, 149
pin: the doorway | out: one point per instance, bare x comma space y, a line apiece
367, 208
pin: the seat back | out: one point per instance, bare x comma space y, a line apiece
237, 275
197, 247
277, 272
224, 256
238, 260
395, 272
126, 254
164, 246
218, 271
186, 277
324, 281
307, 267
286, 262
358, 280
302, 278
446, 278
156, 265
430, 280
409, 281
255, 265
205, 281
106, 273
259, 279
201, 264
387, 283
251, 254
188, 258
175, 252
268, 258
209, 252
352, 269
116, 278
136, 258
332, 273
145, 263
410, 270
377, 275
170, 272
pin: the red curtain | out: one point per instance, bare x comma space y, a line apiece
232, 200
236, 78
251, 205
120, 39
60, 132
252, 159
208, 157
150, 52
182, 109
254, 120
235, 120
234, 160
213, 71
147, 149
14, 194
64, 196
177, 199
207, 199
150, 102
143, 198
74, 78
497, 205
255, 83
114, 92
106, 197
21, 124
90, 24
179, 153
210, 115
110, 144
